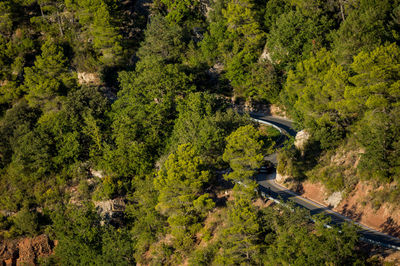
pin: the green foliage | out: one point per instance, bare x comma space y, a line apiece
180, 184
49, 77
295, 241
376, 79
240, 237
5, 18
295, 36
374, 98
214, 40
379, 134
204, 122
32, 156
180, 189
243, 153
288, 163
97, 22
316, 91
264, 84
140, 125
14, 55
142, 116
26, 222
273, 9
159, 70
242, 25
117, 247
332, 177
243, 30
331, 102
180, 11
235, 38
81, 239
15, 121
145, 222
365, 27
203, 256
53, 133
195, 124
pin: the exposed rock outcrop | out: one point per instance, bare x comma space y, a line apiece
281, 178
25, 251
110, 210
85, 78
301, 140
275, 110
265, 55
334, 199
97, 173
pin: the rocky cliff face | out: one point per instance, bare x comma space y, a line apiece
25, 251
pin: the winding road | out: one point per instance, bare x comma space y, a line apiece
268, 186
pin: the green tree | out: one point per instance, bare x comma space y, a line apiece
19, 116
274, 9
246, 37
78, 232
49, 78
51, 19
14, 53
32, 156
373, 99
196, 124
264, 83
181, 184
144, 221
240, 242
315, 95
144, 112
6, 20
295, 36
117, 247
236, 39
214, 43
365, 28
26, 222
375, 81
139, 125
293, 240
180, 11
243, 152
97, 23
160, 70
379, 134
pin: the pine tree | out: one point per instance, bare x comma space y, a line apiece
49, 77
240, 242
181, 184
243, 153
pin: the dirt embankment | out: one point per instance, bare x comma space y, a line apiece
358, 200
358, 206
25, 251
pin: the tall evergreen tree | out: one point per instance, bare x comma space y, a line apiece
181, 186
49, 77
243, 152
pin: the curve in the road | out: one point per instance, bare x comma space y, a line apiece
267, 185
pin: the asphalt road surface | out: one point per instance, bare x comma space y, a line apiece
268, 185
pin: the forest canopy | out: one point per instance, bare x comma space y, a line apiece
144, 102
